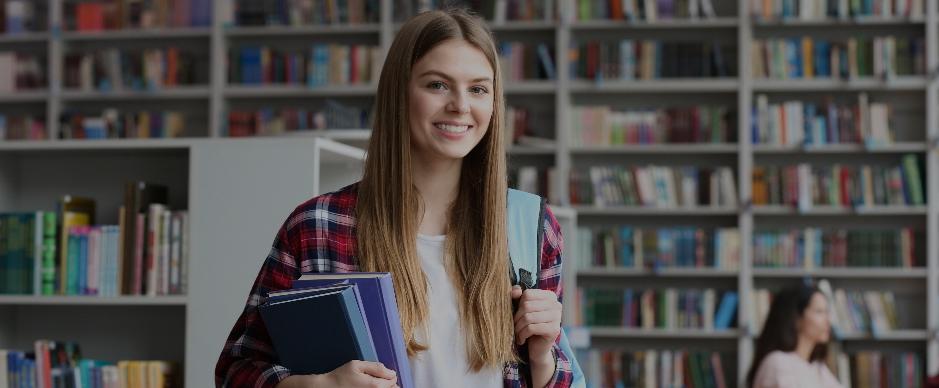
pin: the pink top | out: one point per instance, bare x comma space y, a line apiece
789, 370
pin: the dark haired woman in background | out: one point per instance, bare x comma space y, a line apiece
792, 348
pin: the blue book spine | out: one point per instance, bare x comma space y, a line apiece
626, 247
726, 310
547, 62
380, 308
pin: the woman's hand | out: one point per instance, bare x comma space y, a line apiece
354, 374
537, 321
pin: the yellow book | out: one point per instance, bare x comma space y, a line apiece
73, 211
808, 59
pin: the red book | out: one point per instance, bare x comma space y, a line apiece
354, 64
90, 16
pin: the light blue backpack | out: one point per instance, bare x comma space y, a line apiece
525, 217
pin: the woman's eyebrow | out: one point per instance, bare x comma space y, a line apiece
435, 72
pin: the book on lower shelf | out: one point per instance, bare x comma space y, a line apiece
656, 368
769, 10
21, 71
662, 187
873, 369
658, 309
113, 123
534, 180
150, 70
638, 248
632, 59
22, 127
807, 123
700, 124
808, 57
843, 186
250, 13
817, 248
322, 64
268, 121
65, 252
60, 364
130, 14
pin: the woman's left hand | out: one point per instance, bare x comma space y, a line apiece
538, 321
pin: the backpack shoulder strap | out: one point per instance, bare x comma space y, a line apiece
524, 217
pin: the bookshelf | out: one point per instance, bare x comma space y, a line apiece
201, 166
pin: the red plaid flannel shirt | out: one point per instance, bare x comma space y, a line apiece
319, 236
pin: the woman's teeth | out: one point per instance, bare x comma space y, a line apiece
452, 128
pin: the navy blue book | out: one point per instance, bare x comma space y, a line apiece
317, 330
381, 312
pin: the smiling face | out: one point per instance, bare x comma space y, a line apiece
451, 101
814, 324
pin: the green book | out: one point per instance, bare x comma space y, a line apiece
48, 253
913, 179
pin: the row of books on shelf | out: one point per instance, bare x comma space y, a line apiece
520, 61
21, 71
872, 369
114, 124
851, 312
808, 57
768, 10
136, 14
304, 12
656, 248
270, 121
493, 11
644, 10
603, 126
812, 248
519, 129
654, 186
655, 368
797, 122
22, 127
806, 186
60, 364
662, 309
531, 179
322, 64
631, 59
66, 253
114, 69
19, 16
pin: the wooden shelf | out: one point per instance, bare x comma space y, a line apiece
656, 86
93, 300
655, 149
774, 210
844, 273
621, 272
685, 24
280, 31
265, 91
653, 211
134, 34
895, 148
905, 83
168, 93
628, 333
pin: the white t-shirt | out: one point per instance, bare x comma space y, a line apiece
444, 363
789, 370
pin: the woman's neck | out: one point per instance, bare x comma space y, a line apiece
804, 348
438, 184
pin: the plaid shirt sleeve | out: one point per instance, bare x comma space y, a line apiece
319, 236
248, 358
550, 279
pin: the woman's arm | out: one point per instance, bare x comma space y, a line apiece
248, 357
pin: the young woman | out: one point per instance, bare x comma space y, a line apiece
430, 209
790, 352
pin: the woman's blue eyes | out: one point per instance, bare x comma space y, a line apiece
443, 86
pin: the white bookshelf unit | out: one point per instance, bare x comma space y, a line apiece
238, 191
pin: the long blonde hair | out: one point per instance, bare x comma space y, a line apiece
388, 204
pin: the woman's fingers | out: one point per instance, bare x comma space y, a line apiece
537, 329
